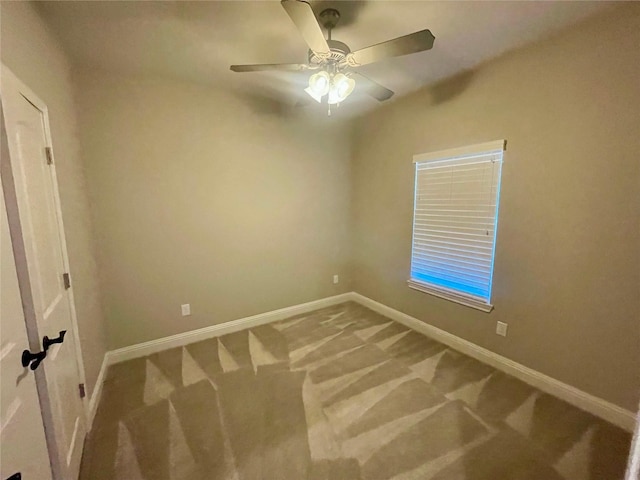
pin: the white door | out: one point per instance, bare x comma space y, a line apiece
23, 448
37, 225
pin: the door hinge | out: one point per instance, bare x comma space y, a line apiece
81, 389
49, 155
67, 281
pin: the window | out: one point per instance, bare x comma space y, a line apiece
455, 217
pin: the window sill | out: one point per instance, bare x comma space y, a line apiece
450, 295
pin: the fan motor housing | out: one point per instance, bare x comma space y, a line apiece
338, 53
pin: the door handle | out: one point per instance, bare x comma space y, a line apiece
36, 358
33, 358
47, 342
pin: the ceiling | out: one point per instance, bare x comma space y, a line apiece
197, 41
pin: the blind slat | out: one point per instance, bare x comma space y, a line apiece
437, 251
457, 266
447, 263
447, 274
447, 212
459, 220
457, 205
474, 237
469, 227
462, 254
472, 178
426, 240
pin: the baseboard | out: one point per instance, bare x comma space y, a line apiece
97, 391
181, 339
585, 401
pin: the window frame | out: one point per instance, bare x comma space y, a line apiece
488, 148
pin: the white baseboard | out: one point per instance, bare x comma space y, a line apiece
592, 404
585, 401
97, 391
180, 339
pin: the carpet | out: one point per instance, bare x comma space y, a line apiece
341, 393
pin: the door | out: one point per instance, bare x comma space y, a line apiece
24, 449
41, 259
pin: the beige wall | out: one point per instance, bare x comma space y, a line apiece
567, 268
204, 198
33, 54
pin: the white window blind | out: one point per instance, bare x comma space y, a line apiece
454, 224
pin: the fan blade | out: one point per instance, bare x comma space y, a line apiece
372, 87
302, 102
287, 67
302, 15
412, 43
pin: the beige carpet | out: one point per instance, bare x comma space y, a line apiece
338, 394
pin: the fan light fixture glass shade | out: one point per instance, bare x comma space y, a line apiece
338, 86
318, 85
341, 88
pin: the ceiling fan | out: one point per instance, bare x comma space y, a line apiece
334, 61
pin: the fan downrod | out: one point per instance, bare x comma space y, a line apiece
329, 18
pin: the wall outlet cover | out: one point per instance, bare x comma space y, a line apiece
186, 309
336, 279
501, 328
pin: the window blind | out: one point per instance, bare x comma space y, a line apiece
455, 220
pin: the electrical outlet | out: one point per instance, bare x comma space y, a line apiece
186, 309
501, 329
336, 279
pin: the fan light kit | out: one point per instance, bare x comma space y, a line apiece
335, 62
338, 87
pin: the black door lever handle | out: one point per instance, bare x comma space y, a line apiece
33, 358
47, 342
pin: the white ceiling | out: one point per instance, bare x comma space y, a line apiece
197, 41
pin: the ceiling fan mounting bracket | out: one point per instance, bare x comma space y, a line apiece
329, 18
